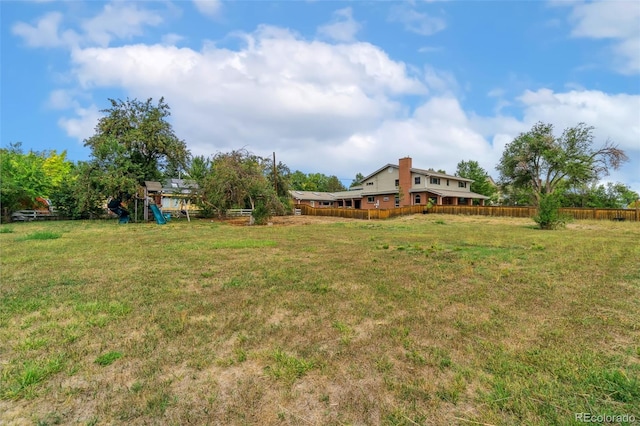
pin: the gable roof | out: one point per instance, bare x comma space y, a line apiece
324, 196
452, 193
395, 166
420, 172
312, 195
439, 175
183, 186
153, 186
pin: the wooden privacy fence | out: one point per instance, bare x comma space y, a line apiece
359, 213
510, 211
602, 214
575, 213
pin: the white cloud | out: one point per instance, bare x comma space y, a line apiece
430, 49
209, 8
417, 22
117, 20
606, 19
617, 21
172, 39
121, 20
82, 126
61, 99
278, 92
615, 118
440, 81
343, 27
335, 109
46, 32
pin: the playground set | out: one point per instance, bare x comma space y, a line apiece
154, 197
116, 207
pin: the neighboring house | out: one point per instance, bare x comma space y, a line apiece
397, 186
177, 195
173, 197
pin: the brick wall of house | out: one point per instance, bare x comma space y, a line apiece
383, 202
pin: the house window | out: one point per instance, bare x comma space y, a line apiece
385, 199
397, 183
325, 203
397, 201
435, 181
371, 199
447, 182
416, 180
462, 184
369, 183
418, 199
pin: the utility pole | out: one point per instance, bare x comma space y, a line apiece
275, 174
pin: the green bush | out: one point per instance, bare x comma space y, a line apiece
261, 214
548, 216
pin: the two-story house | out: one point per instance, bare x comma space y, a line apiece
397, 186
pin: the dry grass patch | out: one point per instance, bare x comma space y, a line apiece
425, 319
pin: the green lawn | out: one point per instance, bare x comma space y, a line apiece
427, 319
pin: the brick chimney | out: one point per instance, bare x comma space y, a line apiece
405, 180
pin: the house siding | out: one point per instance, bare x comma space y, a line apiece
382, 181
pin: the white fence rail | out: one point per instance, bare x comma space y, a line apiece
239, 212
29, 215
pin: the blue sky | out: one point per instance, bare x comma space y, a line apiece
332, 87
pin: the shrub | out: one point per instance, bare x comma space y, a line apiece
548, 216
261, 214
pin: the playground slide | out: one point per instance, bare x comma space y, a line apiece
158, 215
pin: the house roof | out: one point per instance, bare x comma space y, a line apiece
183, 186
387, 192
395, 166
312, 195
353, 193
451, 193
419, 171
153, 186
440, 175
324, 196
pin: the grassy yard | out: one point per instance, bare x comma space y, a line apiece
417, 320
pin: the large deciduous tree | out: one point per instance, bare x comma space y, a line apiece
238, 179
279, 177
481, 184
538, 161
133, 143
26, 176
315, 182
610, 195
357, 181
